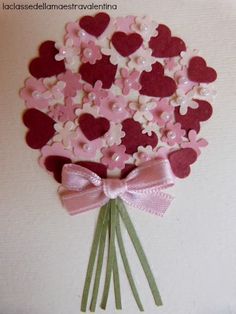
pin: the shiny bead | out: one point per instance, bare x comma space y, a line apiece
165, 116
204, 91
92, 96
143, 156
87, 52
86, 147
181, 101
63, 52
127, 82
141, 61
36, 95
116, 108
171, 134
143, 27
115, 157
183, 80
81, 33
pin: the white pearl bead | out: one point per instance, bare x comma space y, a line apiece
171, 134
82, 33
63, 52
183, 80
116, 108
92, 96
181, 101
165, 116
127, 82
36, 95
87, 52
115, 157
143, 156
204, 91
86, 147
143, 27
141, 61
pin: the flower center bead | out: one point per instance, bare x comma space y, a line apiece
86, 147
92, 96
115, 157
181, 101
204, 91
165, 116
183, 80
116, 107
36, 95
87, 52
171, 134
143, 27
143, 156
141, 61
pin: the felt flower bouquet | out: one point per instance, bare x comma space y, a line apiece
116, 110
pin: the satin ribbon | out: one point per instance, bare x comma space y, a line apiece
85, 190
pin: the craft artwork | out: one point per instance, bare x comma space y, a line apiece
116, 111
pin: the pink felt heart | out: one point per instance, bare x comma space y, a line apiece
165, 46
102, 70
40, 126
199, 72
191, 120
135, 138
180, 161
46, 65
95, 25
55, 164
93, 127
126, 44
155, 84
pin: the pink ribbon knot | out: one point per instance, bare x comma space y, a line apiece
142, 188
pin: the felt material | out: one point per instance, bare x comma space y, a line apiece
180, 161
55, 164
191, 120
40, 126
95, 25
126, 44
198, 71
165, 46
93, 127
155, 83
45, 65
102, 70
134, 137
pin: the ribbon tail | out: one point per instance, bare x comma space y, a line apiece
153, 201
81, 201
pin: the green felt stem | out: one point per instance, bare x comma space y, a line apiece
111, 253
99, 262
92, 257
126, 265
139, 250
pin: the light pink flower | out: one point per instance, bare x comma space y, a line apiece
115, 134
55, 90
67, 52
90, 53
63, 113
73, 83
194, 143
32, 94
65, 133
114, 108
172, 134
170, 64
77, 34
184, 101
145, 26
163, 112
95, 93
123, 24
128, 81
142, 60
182, 80
142, 108
83, 148
114, 157
144, 154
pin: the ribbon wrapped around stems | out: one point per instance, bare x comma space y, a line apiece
142, 188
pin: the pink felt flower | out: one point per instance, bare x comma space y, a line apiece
128, 81
65, 133
144, 154
55, 90
56, 149
73, 83
95, 93
32, 94
114, 108
63, 113
83, 148
114, 157
163, 112
90, 52
123, 24
172, 134
182, 80
69, 53
170, 64
145, 26
194, 143
77, 34
115, 134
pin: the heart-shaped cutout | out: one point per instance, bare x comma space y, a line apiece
191, 120
46, 65
126, 44
134, 137
155, 84
40, 126
95, 25
55, 164
198, 71
180, 161
93, 127
165, 46
103, 70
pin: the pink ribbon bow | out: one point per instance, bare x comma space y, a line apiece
85, 190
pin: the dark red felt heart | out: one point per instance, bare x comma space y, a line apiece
40, 126
46, 65
93, 127
102, 70
55, 164
191, 120
135, 138
199, 72
165, 46
95, 25
180, 161
155, 84
126, 44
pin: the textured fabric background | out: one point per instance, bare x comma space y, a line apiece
192, 250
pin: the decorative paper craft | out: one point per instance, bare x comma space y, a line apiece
116, 110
